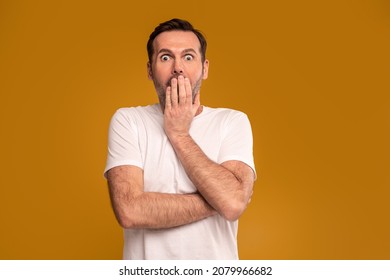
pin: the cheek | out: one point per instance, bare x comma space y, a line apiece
162, 71
197, 75
194, 72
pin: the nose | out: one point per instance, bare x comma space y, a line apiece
177, 68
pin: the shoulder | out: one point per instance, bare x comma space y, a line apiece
223, 114
128, 111
131, 113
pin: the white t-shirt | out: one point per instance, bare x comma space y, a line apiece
137, 137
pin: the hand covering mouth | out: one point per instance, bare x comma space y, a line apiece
168, 84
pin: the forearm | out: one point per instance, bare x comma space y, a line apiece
135, 208
227, 187
221, 188
159, 210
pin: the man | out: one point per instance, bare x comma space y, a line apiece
180, 174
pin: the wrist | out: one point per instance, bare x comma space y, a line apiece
176, 138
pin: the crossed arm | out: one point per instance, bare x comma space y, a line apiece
135, 208
222, 188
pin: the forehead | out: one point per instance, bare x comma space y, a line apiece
176, 41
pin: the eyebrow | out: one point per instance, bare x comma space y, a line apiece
170, 52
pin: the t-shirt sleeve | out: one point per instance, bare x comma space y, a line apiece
123, 144
237, 141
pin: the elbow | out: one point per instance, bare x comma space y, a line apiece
233, 211
127, 221
127, 216
234, 208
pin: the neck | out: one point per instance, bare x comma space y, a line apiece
200, 109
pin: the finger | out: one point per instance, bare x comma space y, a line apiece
174, 97
182, 90
168, 101
188, 89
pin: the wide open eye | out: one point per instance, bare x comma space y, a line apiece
165, 57
188, 57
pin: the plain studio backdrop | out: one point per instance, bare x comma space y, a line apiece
313, 77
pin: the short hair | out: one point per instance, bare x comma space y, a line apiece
172, 25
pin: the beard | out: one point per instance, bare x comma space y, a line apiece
162, 88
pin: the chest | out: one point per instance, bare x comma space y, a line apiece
163, 172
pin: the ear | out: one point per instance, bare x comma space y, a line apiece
205, 69
149, 69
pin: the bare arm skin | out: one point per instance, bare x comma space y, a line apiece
135, 208
227, 187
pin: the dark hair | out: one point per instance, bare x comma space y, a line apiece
176, 24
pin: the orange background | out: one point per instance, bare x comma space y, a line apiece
313, 77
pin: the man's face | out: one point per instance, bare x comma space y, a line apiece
176, 53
